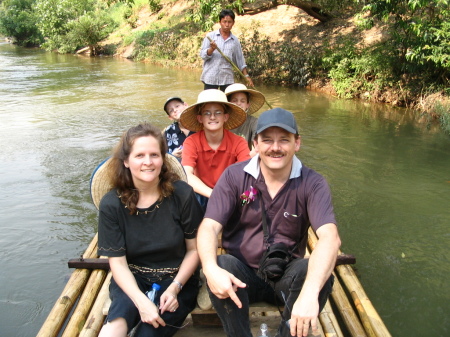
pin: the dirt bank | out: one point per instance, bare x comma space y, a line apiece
283, 23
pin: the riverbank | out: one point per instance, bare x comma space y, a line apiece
273, 37
348, 49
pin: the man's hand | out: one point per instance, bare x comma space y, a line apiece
305, 314
224, 284
249, 82
212, 47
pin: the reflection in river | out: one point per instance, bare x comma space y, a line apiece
61, 114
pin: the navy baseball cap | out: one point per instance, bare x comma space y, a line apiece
170, 100
277, 117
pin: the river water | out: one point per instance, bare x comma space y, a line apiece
389, 172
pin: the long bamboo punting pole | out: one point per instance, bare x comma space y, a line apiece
361, 300
94, 322
78, 318
69, 295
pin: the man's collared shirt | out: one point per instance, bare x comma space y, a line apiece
303, 201
216, 69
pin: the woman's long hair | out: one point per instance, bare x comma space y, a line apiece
121, 178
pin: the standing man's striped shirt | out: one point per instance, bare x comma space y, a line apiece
216, 69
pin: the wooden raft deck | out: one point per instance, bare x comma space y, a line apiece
79, 311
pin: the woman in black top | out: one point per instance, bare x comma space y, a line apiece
147, 227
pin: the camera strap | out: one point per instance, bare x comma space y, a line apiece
264, 222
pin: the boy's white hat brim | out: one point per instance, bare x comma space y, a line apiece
189, 119
256, 99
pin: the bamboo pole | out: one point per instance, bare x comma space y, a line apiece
359, 296
351, 281
345, 308
348, 314
78, 317
333, 320
235, 67
325, 315
327, 324
94, 322
363, 315
69, 295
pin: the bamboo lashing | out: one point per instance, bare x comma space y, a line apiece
235, 67
69, 295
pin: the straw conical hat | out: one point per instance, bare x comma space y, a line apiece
236, 117
257, 99
100, 180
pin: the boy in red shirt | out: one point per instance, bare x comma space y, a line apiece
208, 152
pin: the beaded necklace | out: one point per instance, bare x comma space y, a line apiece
154, 209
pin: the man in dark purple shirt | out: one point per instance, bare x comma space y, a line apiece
293, 198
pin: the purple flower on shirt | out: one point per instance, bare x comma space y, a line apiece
248, 196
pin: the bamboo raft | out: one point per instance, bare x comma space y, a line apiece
79, 311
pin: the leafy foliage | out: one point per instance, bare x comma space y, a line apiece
420, 36
55, 17
155, 5
206, 13
87, 30
18, 20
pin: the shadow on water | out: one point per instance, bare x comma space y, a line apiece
61, 114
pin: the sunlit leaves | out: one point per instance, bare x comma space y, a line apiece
206, 12
18, 20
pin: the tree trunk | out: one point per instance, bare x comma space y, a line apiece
309, 7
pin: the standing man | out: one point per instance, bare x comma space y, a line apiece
217, 71
274, 188
175, 133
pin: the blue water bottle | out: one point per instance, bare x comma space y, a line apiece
151, 294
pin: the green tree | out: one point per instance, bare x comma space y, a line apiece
88, 30
420, 36
206, 12
56, 17
18, 20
